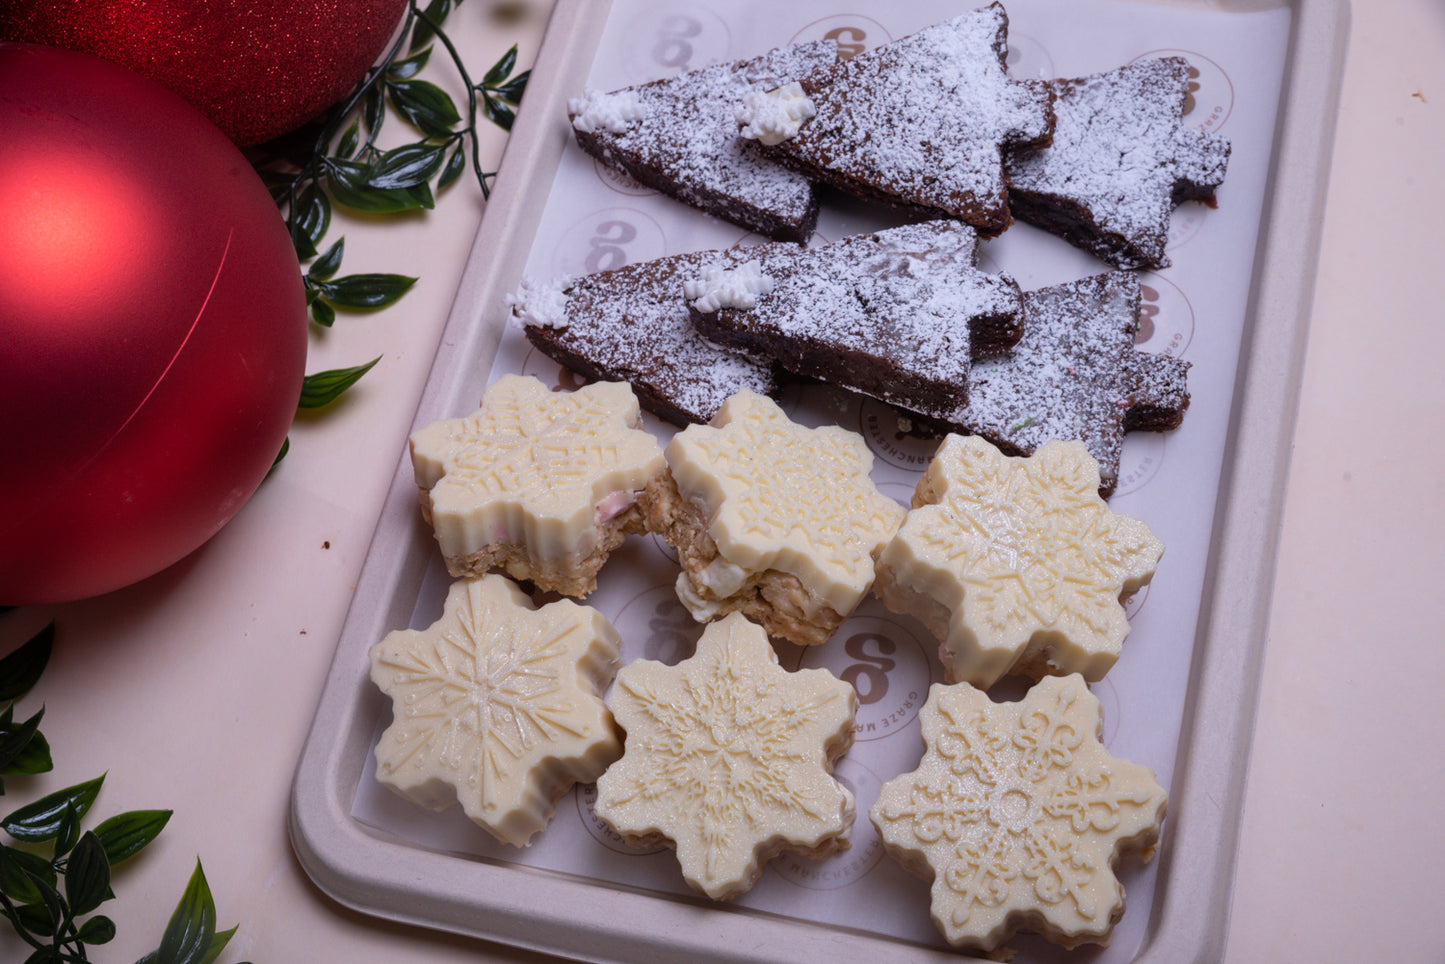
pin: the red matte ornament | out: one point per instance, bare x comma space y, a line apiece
256, 68
152, 327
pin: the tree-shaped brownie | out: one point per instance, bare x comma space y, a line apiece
920, 123
1120, 160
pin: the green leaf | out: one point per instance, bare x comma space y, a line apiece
498, 113
350, 140
98, 930
323, 388
366, 290
349, 182
87, 875
19, 872
323, 314
512, 90
326, 265
406, 166
36, 918
192, 927
456, 163
285, 447
68, 834
309, 221
408, 67
218, 944
436, 12
23, 748
373, 110
501, 68
126, 834
42, 820
425, 105
21, 669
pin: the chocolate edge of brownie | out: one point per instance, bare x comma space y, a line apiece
1071, 221
548, 342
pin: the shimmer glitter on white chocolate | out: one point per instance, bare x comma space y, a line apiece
729, 758
497, 705
1017, 815
1016, 563
532, 466
784, 497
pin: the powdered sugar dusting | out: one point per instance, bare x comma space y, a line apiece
1121, 154
1075, 374
898, 307
921, 120
685, 142
632, 325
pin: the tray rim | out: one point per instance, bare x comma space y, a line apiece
560, 914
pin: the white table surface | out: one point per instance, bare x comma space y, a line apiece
194, 689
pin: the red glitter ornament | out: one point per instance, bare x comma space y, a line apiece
256, 68
152, 327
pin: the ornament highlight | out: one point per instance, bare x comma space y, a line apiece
152, 327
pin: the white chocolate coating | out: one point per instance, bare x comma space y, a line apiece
729, 757
1017, 814
497, 705
534, 467
785, 497
1017, 564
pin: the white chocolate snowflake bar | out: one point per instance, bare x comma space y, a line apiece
537, 483
497, 705
771, 518
728, 758
1017, 814
1016, 563
920, 123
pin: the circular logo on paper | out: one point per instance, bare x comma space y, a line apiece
670, 39
1142, 456
865, 850
853, 32
654, 625
888, 665
608, 239
895, 437
620, 181
1166, 318
1210, 97
601, 831
1027, 58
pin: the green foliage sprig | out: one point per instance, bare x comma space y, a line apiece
56, 873
342, 165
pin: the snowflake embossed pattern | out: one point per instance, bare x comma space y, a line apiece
1016, 563
786, 497
1018, 814
728, 757
497, 705
537, 469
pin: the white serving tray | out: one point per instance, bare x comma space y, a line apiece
1196, 695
